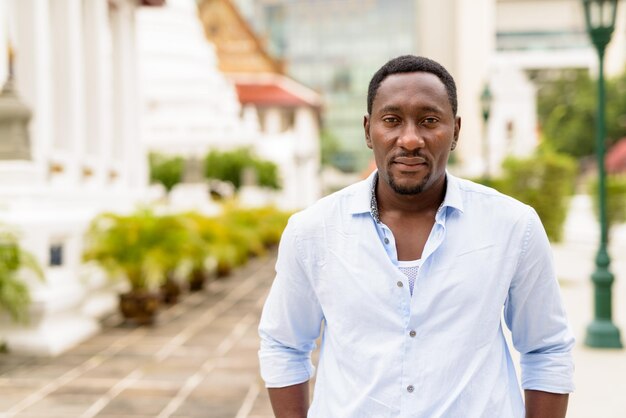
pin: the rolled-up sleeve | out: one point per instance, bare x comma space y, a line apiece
291, 318
535, 315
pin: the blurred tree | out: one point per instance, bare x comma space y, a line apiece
329, 147
230, 166
566, 110
166, 170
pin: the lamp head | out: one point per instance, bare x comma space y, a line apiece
600, 21
486, 98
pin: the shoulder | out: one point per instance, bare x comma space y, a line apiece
481, 200
332, 209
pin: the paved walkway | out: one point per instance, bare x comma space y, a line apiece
200, 359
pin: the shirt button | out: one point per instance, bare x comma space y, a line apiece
386, 240
410, 388
400, 284
412, 333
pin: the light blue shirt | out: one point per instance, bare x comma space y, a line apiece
438, 353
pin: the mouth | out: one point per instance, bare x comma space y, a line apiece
410, 163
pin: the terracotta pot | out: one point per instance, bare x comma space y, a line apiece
170, 291
198, 279
140, 306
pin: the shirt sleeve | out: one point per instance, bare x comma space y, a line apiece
291, 319
535, 315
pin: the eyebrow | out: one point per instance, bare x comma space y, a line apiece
426, 108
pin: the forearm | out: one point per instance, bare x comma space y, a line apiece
545, 404
290, 401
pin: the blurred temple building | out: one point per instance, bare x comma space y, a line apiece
223, 91
90, 87
335, 46
74, 68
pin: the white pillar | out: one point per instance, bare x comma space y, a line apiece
307, 152
465, 45
68, 87
98, 107
475, 48
273, 121
127, 146
4, 26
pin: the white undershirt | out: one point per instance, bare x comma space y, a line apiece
410, 270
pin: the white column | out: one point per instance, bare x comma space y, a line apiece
98, 84
434, 39
127, 148
475, 50
68, 82
4, 24
465, 45
273, 121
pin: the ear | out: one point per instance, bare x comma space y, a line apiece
366, 127
457, 130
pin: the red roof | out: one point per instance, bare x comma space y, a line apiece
615, 160
268, 94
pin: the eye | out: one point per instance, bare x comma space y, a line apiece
391, 119
430, 121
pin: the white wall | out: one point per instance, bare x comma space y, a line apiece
76, 70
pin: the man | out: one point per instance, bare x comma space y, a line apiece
409, 271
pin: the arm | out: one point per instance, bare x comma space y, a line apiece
291, 401
535, 315
545, 404
289, 326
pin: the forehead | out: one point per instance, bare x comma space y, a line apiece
417, 88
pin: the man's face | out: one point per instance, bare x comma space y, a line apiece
411, 130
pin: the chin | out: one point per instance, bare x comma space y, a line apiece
408, 187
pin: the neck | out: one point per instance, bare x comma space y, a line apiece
426, 201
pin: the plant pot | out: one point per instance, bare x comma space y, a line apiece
140, 306
170, 291
198, 279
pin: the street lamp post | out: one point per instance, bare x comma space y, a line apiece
485, 104
601, 333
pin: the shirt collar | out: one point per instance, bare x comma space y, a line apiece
365, 196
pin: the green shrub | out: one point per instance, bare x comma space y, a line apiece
166, 170
545, 182
615, 198
145, 247
139, 247
14, 293
230, 165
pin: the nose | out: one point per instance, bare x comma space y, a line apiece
410, 138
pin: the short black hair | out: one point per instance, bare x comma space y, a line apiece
412, 64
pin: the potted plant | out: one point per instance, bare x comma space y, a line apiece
130, 247
202, 260
179, 245
14, 293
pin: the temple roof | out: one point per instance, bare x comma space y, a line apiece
273, 90
238, 48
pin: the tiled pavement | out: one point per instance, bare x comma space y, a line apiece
199, 360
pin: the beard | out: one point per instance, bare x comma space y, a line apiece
407, 190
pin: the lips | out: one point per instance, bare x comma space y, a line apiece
410, 161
